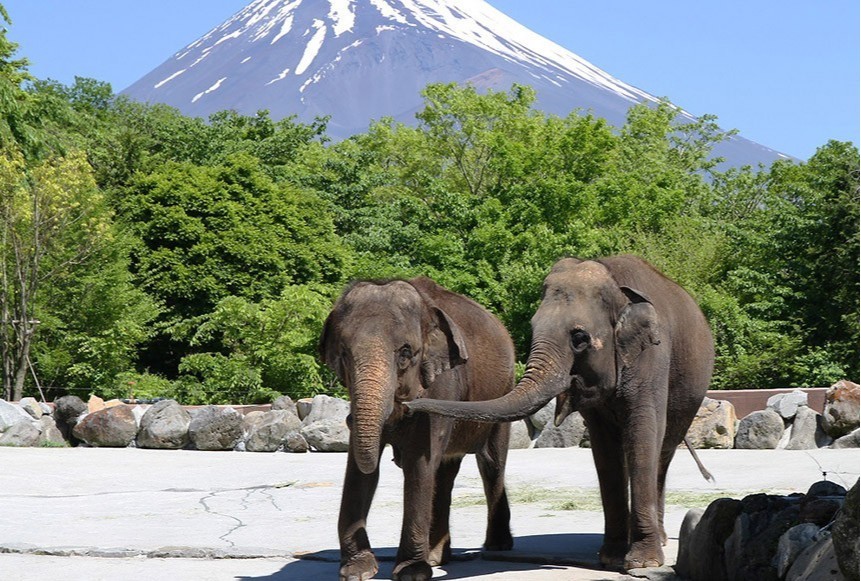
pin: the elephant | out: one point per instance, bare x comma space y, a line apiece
630, 349
390, 342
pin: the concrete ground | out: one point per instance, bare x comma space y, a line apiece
91, 514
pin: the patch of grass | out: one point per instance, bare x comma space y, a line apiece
561, 499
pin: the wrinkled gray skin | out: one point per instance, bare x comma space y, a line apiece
628, 348
393, 342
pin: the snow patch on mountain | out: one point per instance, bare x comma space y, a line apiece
209, 90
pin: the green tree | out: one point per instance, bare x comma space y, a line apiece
53, 220
208, 233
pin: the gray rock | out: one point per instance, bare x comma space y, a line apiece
250, 420
295, 442
567, 435
139, 411
50, 434
705, 550
519, 438
544, 416
164, 425
689, 524
751, 547
714, 425
791, 544
786, 404
67, 410
841, 412
22, 434
324, 407
47, 410
807, 431
845, 535
817, 562
303, 407
328, 435
11, 414
760, 430
285, 403
215, 428
850, 440
268, 434
31, 406
113, 427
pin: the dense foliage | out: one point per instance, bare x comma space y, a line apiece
146, 253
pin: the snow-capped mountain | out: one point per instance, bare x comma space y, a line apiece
359, 60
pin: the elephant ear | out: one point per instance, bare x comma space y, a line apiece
325, 347
444, 347
638, 330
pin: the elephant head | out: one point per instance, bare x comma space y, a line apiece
588, 336
386, 342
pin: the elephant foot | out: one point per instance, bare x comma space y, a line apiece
416, 571
612, 555
500, 542
440, 554
644, 555
359, 567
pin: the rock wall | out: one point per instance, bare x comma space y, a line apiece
320, 424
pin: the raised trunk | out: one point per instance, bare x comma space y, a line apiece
544, 379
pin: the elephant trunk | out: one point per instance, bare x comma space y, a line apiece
543, 380
372, 402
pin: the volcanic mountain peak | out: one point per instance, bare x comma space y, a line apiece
359, 60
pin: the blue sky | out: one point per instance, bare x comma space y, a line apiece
785, 73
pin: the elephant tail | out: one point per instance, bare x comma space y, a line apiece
706, 474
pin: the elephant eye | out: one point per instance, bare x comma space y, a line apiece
580, 340
405, 356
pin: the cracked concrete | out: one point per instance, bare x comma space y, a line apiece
85, 513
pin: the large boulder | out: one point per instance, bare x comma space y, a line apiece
268, 434
324, 407
807, 431
851, 440
32, 407
543, 417
845, 535
702, 552
327, 435
215, 428
792, 543
566, 435
22, 434
760, 430
11, 414
787, 404
841, 413
113, 427
164, 425
816, 562
752, 546
714, 425
519, 438
285, 403
67, 410
50, 435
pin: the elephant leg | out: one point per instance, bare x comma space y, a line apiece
642, 444
421, 461
610, 463
664, 466
440, 537
357, 559
491, 465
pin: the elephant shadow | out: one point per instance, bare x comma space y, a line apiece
531, 553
